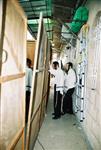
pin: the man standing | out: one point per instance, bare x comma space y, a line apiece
59, 81
29, 74
55, 66
69, 86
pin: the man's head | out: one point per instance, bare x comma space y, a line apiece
68, 65
28, 62
55, 65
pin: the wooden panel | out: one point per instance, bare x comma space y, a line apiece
16, 140
13, 40
2, 27
19, 145
31, 50
12, 78
33, 84
34, 129
43, 110
39, 85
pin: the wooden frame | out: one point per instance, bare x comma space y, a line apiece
12, 76
2, 27
39, 86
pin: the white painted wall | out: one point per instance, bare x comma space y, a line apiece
92, 121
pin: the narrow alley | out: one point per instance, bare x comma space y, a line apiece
50, 74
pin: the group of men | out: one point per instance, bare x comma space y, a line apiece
64, 85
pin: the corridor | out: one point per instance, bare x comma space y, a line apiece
62, 134
42, 40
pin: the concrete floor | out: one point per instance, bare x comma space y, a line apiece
62, 134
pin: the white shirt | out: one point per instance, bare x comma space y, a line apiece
53, 72
29, 74
70, 80
59, 80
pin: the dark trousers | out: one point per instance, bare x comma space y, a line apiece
58, 104
67, 102
27, 105
54, 101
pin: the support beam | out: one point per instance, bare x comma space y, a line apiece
37, 17
62, 6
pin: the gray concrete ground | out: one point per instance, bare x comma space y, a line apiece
61, 134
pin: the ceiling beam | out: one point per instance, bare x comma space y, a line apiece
37, 17
28, 1
62, 6
24, 6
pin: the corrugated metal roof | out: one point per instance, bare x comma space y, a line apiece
52, 11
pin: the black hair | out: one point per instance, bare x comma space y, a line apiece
28, 61
55, 63
69, 65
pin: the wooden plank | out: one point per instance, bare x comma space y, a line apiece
2, 27
35, 113
15, 45
15, 140
11, 77
34, 130
33, 82
39, 86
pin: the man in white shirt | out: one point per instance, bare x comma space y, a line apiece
55, 66
59, 84
69, 86
29, 74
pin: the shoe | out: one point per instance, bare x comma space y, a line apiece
63, 113
70, 112
53, 113
55, 117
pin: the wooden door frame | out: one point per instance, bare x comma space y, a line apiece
4, 6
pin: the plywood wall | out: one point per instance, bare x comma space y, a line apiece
12, 79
